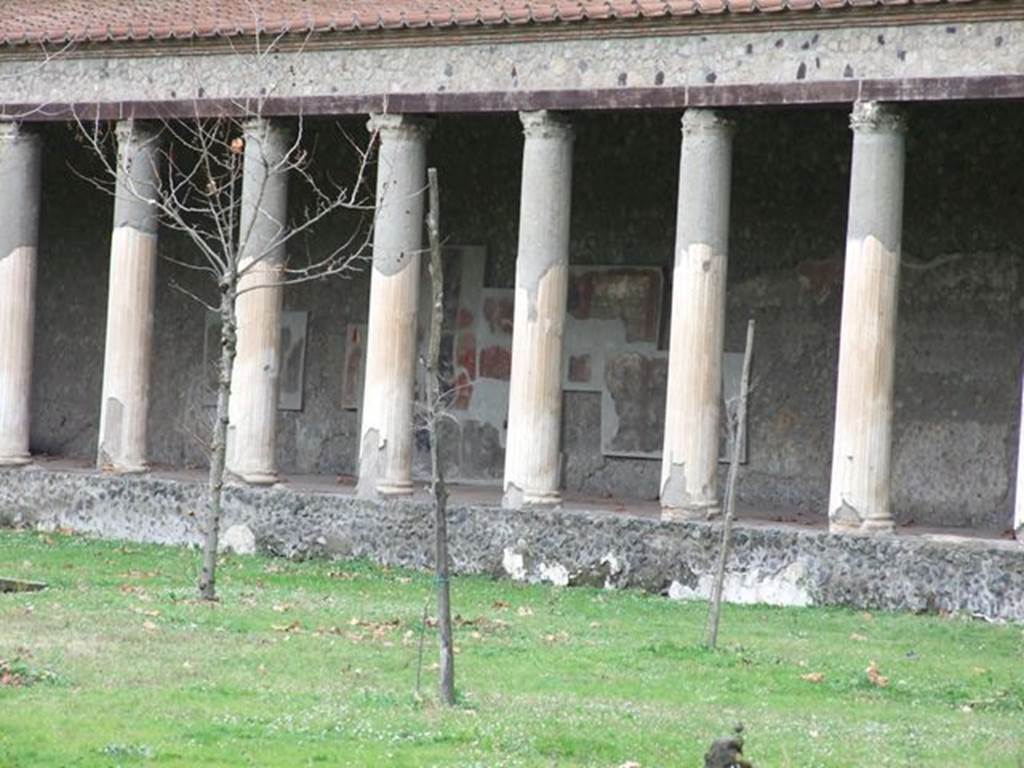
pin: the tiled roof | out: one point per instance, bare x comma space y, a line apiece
59, 21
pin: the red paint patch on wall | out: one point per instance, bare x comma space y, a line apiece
499, 313
496, 363
630, 295
820, 277
579, 369
465, 353
353, 368
463, 392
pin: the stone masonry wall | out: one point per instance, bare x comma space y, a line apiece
779, 566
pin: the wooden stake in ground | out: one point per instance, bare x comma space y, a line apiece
437, 485
738, 432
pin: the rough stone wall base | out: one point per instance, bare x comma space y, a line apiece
773, 565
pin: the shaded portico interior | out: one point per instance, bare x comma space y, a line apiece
959, 321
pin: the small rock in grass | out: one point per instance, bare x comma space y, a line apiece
238, 539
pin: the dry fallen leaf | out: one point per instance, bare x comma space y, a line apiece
813, 677
525, 610
859, 638
149, 626
630, 764
875, 677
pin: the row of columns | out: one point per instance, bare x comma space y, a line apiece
859, 492
128, 349
859, 496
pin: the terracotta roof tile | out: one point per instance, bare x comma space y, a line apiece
59, 21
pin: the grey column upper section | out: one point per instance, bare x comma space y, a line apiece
138, 176
263, 222
401, 192
704, 190
546, 194
19, 187
876, 175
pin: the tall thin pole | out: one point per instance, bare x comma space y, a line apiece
739, 433
438, 488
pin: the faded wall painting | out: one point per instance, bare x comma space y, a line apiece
291, 377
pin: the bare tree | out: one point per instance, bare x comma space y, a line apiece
434, 415
237, 240
738, 432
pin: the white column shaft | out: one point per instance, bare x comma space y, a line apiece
385, 458
859, 497
130, 304
252, 434
19, 229
689, 464
533, 444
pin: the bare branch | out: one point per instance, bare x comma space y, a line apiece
215, 181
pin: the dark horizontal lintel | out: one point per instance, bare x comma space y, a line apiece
997, 87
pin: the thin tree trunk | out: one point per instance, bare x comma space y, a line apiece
438, 488
218, 449
738, 430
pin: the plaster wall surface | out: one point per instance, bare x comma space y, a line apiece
775, 565
961, 315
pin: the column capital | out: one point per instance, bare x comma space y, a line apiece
545, 124
264, 127
392, 126
131, 130
12, 132
875, 117
697, 120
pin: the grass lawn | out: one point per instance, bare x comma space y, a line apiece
314, 664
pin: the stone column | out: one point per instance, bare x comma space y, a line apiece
253, 410
19, 236
385, 456
689, 463
132, 294
862, 448
532, 449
